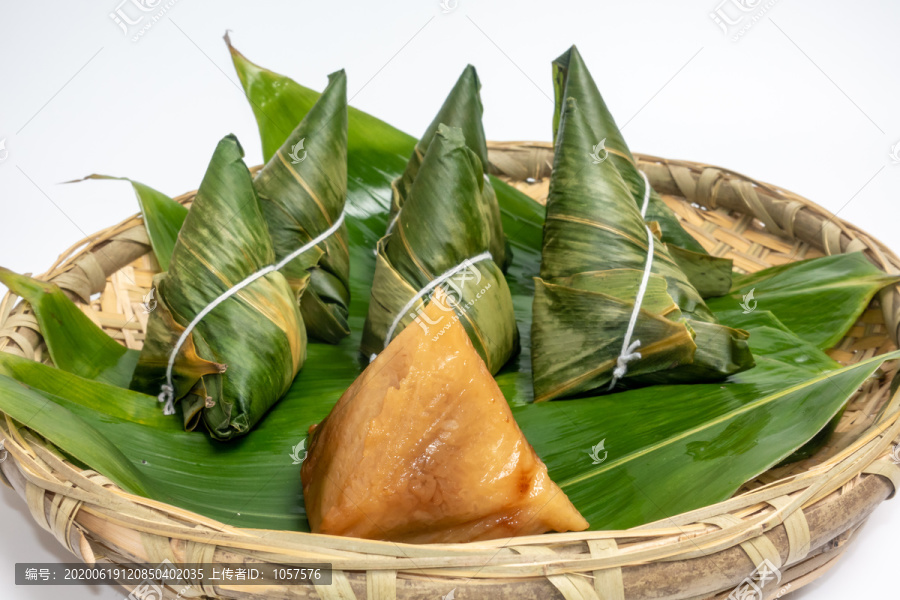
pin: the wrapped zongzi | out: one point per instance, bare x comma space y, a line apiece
242, 356
710, 275
586, 333
442, 238
461, 109
302, 192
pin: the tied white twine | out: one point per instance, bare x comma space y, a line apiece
629, 351
168, 389
390, 226
431, 285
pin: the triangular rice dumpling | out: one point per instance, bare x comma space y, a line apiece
242, 356
711, 275
302, 192
461, 109
443, 226
423, 448
594, 253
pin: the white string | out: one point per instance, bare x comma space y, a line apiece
393, 222
433, 284
629, 349
168, 389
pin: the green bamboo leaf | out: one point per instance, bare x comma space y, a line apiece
257, 334
302, 190
441, 226
76, 344
593, 226
163, 218
461, 109
571, 79
818, 299
688, 431
249, 482
376, 151
47, 414
670, 446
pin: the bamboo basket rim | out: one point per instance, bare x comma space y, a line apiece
799, 521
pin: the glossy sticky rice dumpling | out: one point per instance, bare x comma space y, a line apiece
423, 448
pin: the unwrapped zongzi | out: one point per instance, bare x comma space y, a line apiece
423, 448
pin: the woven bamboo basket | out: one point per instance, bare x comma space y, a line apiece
798, 517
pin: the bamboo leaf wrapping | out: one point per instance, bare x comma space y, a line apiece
581, 309
242, 357
461, 109
710, 275
443, 223
302, 191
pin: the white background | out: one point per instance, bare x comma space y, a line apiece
806, 99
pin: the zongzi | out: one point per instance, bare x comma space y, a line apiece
710, 275
586, 332
461, 109
423, 448
302, 191
442, 237
257, 334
